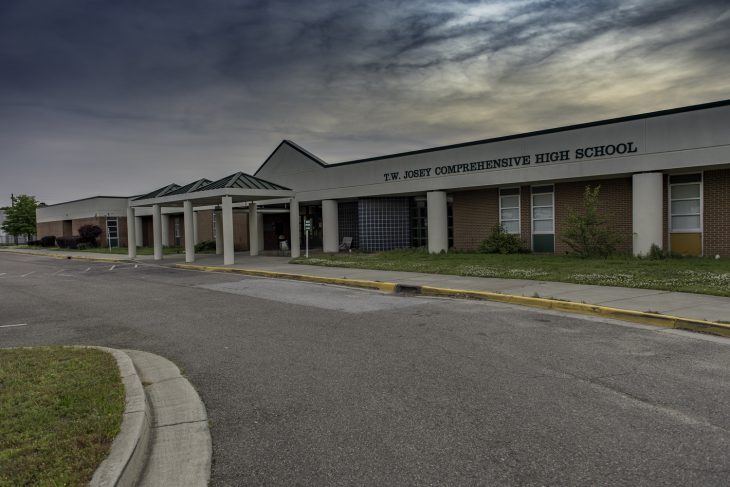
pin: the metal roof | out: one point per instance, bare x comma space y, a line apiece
243, 181
165, 190
190, 187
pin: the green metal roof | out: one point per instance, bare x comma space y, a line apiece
190, 187
165, 190
243, 181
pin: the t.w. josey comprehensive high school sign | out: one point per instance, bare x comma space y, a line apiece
515, 161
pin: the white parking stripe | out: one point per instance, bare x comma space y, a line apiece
87, 269
26, 275
10, 326
112, 268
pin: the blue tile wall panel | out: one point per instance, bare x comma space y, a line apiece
347, 221
384, 223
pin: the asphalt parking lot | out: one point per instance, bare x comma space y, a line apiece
319, 385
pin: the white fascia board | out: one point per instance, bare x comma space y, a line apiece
241, 193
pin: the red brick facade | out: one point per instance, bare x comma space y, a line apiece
475, 214
716, 188
56, 228
614, 202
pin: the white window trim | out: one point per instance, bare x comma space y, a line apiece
532, 210
701, 182
518, 207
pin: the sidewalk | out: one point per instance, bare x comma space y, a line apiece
684, 305
676, 304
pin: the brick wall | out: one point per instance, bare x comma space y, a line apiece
205, 225
526, 215
716, 188
475, 214
614, 202
49, 228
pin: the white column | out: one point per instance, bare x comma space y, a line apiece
330, 227
131, 233
157, 231
253, 229
294, 228
138, 232
166, 230
188, 219
227, 217
260, 222
196, 240
647, 195
438, 225
218, 232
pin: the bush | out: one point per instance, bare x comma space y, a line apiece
48, 241
82, 246
501, 242
67, 242
88, 234
34, 243
587, 233
205, 245
656, 253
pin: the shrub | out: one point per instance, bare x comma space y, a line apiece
656, 253
67, 242
501, 242
33, 243
587, 233
205, 245
82, 246
48, 241
88, 234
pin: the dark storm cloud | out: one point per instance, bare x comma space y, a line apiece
119, 96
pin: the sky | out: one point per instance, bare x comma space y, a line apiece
117, 97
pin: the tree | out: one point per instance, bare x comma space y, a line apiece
587, 233
20, 216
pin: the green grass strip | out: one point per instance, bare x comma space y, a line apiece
60, 410
688, 274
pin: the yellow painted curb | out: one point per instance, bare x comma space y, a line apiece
655, 319
642, 317
65, 257
388, 287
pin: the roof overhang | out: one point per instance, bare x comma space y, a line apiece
213, 197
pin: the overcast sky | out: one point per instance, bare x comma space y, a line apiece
114, 97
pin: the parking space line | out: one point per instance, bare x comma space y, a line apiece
112, 267
87, 269
26, 275
11, 326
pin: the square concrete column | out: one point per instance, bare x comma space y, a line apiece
196, 240
438, 223
188, 219
647, 195
138, 232
330, 227
260, 219
166, 230
131, 233
157, 231
253, 229
294, 245
227, 217
218, 232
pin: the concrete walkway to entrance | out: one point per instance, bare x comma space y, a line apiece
684, 305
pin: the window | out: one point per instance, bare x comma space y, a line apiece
112, 231
542, 210
685, 192
176, 233
509, 210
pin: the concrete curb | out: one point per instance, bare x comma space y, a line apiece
67, 257
655, 319
129, 451
388, 287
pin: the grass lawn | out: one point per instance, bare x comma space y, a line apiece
689, 274
60, 409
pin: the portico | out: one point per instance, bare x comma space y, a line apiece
238, 189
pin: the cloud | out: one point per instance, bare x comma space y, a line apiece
119, 96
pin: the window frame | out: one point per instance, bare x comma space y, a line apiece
518, 208
532, 209
700, 214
